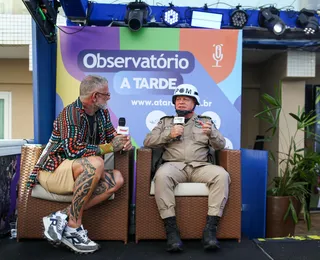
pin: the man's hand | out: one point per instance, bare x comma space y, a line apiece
176, 130
206, 127
128, 145
118, 142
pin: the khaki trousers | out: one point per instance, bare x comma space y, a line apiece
60, 181
170, 174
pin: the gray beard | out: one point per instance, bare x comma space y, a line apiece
100, 106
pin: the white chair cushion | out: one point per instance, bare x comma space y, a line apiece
109, 161
39, 192
187, 189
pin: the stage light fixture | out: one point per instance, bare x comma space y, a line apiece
44, 13
269, 18
238, 18
308, 21
171, 16
136, 15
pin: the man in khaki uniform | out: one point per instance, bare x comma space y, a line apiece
186, 148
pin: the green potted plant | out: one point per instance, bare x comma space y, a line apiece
289, 191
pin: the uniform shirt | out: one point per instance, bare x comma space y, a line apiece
69, 138
192, 148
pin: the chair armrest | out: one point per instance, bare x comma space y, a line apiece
230, 160
123, 161
144, 163
143, 172
29, 157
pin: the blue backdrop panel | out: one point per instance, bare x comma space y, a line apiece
254, 172
44, 85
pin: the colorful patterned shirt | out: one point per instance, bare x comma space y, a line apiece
69, 138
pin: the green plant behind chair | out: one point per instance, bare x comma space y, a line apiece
298, 167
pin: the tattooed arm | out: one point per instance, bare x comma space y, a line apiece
117, 144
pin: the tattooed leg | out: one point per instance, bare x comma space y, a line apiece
109, 183
84, 186
66, 210
105, 188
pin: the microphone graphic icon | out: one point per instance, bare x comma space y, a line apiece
217, 55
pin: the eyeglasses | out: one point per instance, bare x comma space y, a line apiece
107, 95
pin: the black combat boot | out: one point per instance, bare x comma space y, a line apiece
174, 243
209, 238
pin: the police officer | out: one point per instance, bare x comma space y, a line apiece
186, 149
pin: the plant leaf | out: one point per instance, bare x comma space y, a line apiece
287, 214
271, 100
271, 156
295, 117
294, 213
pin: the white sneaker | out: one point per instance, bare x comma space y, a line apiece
78, 241
54, 225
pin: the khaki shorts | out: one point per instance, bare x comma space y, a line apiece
60, 181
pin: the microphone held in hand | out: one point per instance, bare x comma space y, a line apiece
178, 120
122, 129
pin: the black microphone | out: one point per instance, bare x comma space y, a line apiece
122, 128
122, 121
178, 120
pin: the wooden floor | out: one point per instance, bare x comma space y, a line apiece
301, 227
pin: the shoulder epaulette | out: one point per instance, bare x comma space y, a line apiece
207, 117
166, 117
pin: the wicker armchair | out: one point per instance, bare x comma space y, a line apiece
31, 210
191, 212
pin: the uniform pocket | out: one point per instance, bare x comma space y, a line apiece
199, 136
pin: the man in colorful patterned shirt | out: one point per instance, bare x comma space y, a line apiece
72, 163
